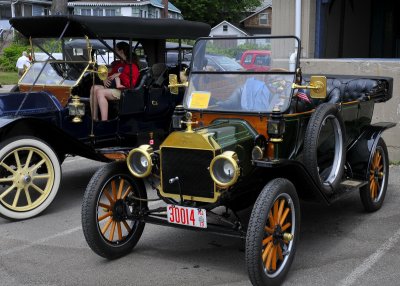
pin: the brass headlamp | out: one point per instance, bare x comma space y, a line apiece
139, 161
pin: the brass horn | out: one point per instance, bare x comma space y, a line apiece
101, 70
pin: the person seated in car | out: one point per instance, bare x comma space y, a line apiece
253, 95
259, 95
123, 74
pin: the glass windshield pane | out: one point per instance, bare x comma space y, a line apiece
242, 74
239, 92
57, 62
54, 73
245, 54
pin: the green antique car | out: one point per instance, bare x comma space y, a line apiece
247, 140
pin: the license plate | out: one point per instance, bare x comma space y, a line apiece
187, 216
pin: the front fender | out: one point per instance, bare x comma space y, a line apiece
49, 131
359, 154
295, 172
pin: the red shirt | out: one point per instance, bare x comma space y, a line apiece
125, 72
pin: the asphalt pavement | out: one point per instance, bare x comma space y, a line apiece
339, 245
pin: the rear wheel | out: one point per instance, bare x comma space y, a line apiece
373, 194
109, 200
30, 175
273, 232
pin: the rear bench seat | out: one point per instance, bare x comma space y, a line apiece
344, 88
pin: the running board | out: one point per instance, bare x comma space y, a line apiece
353, 184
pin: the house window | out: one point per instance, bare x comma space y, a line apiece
86, 12
157, 13
225, 28
264, 19
110, 12
135, 12
46, 12
97, 12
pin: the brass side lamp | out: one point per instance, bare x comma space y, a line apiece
174, 85
76, 109
317, 87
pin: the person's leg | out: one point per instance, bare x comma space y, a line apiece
93, 101
103, 95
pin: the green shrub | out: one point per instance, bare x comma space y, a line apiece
10, 56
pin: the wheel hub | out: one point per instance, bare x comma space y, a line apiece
23, 179
277, 235
119, 211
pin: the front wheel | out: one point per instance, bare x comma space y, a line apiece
112, 197
373, 194
273, 232
30, 175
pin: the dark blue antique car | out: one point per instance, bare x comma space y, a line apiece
47, 115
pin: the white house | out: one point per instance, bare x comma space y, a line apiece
132, 8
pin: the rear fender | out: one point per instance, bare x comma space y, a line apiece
359, 154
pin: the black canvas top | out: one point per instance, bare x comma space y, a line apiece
109, 27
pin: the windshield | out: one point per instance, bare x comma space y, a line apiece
242, 74
56, 62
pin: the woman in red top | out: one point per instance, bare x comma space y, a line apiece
121, 72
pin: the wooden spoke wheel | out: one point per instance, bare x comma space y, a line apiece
30, 176
109, 203
273, 232
373, 194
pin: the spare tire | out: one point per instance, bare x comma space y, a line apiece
324, 150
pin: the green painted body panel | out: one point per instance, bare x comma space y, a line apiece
234, 135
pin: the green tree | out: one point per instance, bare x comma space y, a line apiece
214, 12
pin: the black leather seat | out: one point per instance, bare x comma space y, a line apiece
354, 88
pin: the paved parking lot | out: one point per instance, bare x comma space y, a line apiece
339, 245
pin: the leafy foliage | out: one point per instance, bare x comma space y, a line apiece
235, 52
10, 56
214, 12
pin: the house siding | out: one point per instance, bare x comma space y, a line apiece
255, 20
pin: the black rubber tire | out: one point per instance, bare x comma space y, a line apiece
370, 204
91, 229
318, 119
274, 190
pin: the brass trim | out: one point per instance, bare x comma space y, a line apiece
317, 87
275, 140
233, 159
145, 150
191, 141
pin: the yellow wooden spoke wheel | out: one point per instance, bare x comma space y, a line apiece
373, 193
273, 233
112, 203
29, 177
